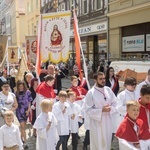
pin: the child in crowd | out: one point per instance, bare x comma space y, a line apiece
9, 134
127, 94
145, 105
62, 111
132, 132
74, 118
45, 125
80, 91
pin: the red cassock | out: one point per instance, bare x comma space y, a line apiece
144, 109
127, 132
46, 90
79, 91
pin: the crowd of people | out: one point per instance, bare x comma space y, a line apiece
57, 114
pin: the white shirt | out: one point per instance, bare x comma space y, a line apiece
73, 123
13, 72
10, 136
46, 140
62, 118
7, 99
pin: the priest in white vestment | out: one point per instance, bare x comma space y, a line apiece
100, 104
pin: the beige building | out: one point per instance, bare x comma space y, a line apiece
18, 28
32, 12
128, 28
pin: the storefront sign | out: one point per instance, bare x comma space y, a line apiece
133, 43
148, 42
91, 29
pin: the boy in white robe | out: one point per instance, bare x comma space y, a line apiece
100, 103
74, 118
133, 133
45, 125
61, 110
123, 97
10, 134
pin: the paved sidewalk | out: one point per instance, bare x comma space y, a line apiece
31, 140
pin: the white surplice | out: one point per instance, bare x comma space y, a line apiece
46, 140
63, 118
100, 122
122, 99
38, 100
139, 86
73, 123
85, 116
124, 145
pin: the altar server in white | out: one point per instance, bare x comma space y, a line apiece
45, 125
61, 110
126, 95
74, 118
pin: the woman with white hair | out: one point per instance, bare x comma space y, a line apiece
28, 77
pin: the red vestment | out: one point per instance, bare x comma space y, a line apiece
79, 91
127, 132
46, 90
144, 109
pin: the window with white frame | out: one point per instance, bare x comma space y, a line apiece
28, 8
96, 4
31, 5
37, 3
62, 6
28, 30
84, 6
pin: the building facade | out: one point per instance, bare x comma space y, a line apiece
32, 12
92, 26
129, 28
13, 21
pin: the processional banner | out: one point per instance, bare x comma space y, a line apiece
3, 43
55, 37
22, 68
12, 54
31, 48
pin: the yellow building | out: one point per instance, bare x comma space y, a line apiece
129, 28
18, 28
32, 11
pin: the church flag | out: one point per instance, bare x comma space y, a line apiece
77, 44
79, 50
22, 68
13, 54
3, 47
55, 37
31, 48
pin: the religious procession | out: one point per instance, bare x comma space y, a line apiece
49, 96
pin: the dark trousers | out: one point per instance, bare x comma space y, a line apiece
63, 141
86, 141
74, 140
